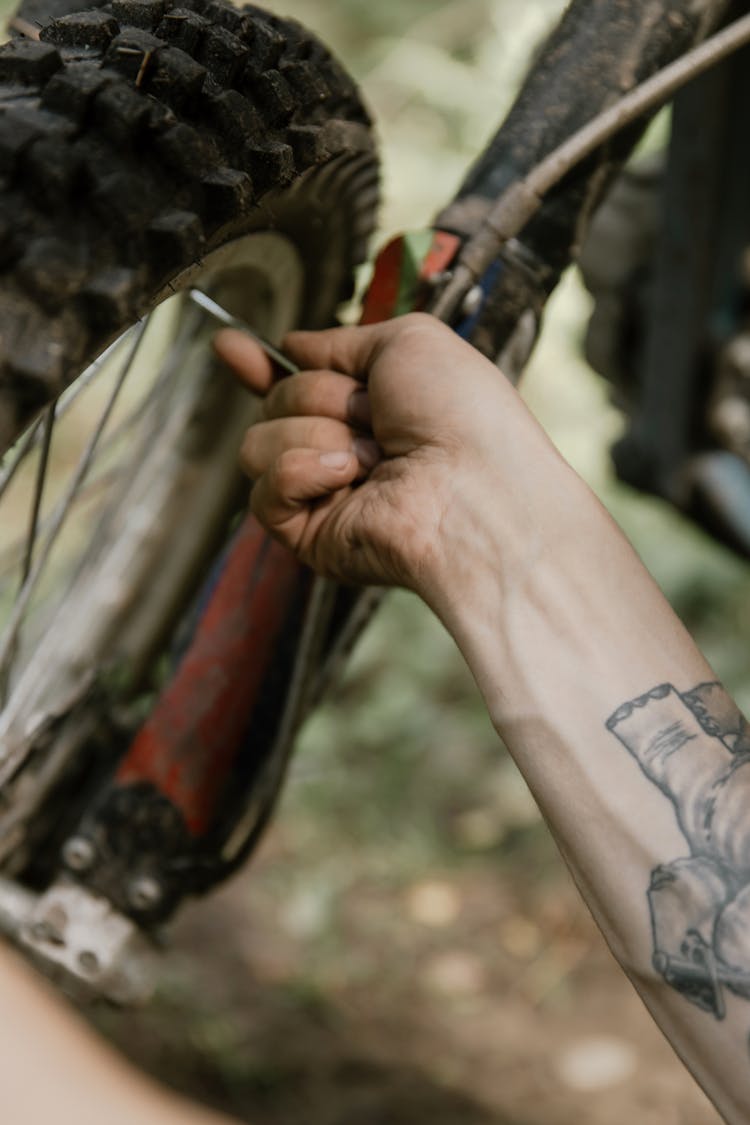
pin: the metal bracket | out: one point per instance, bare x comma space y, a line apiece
79, 941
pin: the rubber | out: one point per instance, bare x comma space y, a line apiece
140, 135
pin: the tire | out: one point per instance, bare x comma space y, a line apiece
235, 149
138, 137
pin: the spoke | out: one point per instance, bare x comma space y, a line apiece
93, 487
48, 425
34, 435
41, 479
12, 632
198, 297
28, 441
171, 366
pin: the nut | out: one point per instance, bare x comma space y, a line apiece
145, 893
78, 853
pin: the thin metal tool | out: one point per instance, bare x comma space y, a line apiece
198, 297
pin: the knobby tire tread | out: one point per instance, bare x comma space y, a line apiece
136, 137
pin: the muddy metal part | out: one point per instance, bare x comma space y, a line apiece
79, 940
600, 50
692, 392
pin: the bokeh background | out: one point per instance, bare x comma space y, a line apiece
407, 946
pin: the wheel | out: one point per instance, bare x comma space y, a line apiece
145, 148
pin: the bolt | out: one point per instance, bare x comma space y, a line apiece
88, 961
145, 893
78, 853
473, 301
42, 931
731, 420
52, 927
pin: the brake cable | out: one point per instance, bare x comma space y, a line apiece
520, 202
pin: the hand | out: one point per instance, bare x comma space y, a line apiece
369, 463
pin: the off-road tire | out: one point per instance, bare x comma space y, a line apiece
140, 136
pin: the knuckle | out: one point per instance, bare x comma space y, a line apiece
259, 504
306, 394
322, 433
286, 470
418, 320
273, 404
417, 329
249, 451
420, 323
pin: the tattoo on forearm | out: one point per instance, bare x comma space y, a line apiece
696, 748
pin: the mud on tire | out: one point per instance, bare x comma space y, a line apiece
137, 137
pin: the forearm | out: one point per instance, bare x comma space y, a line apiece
574, 629
470, 506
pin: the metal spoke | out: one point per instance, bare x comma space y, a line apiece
34, 435
89, 491
48, 425
41, 479
15, 623
171, 367
28, 441
198, 297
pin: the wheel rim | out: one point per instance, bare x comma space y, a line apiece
164, 515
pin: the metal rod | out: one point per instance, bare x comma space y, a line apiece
41, 477
28, 442
198, 297
34, 435
522, 200
171, 366
7, 648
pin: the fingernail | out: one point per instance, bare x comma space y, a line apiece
358, 408
335, 460
368, 452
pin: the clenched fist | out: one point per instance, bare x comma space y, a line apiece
380, 462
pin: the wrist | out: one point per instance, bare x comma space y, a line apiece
500, 545
549, 604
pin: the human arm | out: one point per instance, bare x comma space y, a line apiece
53, 1068
473, 508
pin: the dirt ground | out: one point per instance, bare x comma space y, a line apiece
472, 995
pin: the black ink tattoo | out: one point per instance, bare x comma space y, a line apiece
696, 748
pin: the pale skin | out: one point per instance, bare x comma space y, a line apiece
399, 456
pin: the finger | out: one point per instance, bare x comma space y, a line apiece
320, 393
353, 350
265, 442
283, 496
246, 358
349, 351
